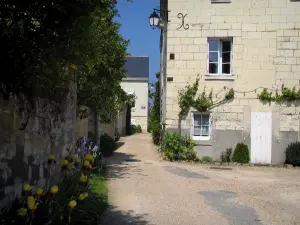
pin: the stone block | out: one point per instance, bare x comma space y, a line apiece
273, 11
251, 35
277, 3
193, 48
221, 33
235, 33
257, 11
186, 41
186, 56
296, 53
278, 19
296, 68
285, 53
290, 33
236, 26
200, 41
261, 27
224, 26
291, 60
283, 68
248, 27
272, 26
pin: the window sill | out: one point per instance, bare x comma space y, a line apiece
219, 77
202, 142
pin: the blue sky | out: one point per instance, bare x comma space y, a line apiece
134, 19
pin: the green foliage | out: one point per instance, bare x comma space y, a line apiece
287, 94
117, 136
46, 47
203, 102
138, 129
107, 145
206, 159
230, 94
135, 129
155, 122
241, 153
226, 156
187, 99
292, 154
175, 147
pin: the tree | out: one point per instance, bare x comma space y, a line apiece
155, 125
41, 39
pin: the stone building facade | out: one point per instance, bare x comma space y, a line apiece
246, 45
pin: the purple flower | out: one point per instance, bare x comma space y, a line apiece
95, 149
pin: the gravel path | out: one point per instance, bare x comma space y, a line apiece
143, 189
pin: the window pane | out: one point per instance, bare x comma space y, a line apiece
197, 131
213, 68
226, 57
205, 120
213, 45
226, 68
197, 120
204, 130
213, 57
226, 46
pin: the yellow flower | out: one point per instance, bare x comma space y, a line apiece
32, 205
22, 212
39, 191
81, 197
83, 179
64, 163
86, 163
72, 204
51, 157
54, 190
85, 194
89, 157
78, 160
27, 188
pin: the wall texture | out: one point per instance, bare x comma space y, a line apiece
266, 53
50, 129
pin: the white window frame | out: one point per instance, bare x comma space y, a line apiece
220, 60
199, 138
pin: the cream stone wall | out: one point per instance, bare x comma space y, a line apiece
266, 54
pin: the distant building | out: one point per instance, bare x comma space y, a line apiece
137, 83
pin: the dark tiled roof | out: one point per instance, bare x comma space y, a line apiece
137, 66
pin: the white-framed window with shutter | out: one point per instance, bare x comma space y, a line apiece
219, 59
201, 126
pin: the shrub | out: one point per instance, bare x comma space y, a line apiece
226, 156
107, 145
138, 129
241, 154
292, 154
155, 130
206, 159
117, 136
178, 148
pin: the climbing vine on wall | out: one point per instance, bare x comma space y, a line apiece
287, 94
188, 98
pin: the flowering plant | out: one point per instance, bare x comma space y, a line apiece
72, 200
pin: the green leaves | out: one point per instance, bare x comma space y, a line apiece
39, 40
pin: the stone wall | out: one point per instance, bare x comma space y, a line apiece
265, 53
48, 128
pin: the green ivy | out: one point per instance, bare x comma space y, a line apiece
188, 99
287, 94
230, 94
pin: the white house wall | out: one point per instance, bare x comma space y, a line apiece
265, 53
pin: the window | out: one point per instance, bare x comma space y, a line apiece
220, 1
219, 56
201, 126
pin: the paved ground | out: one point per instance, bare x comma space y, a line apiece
146, 190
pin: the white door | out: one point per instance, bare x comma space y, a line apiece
261, 137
